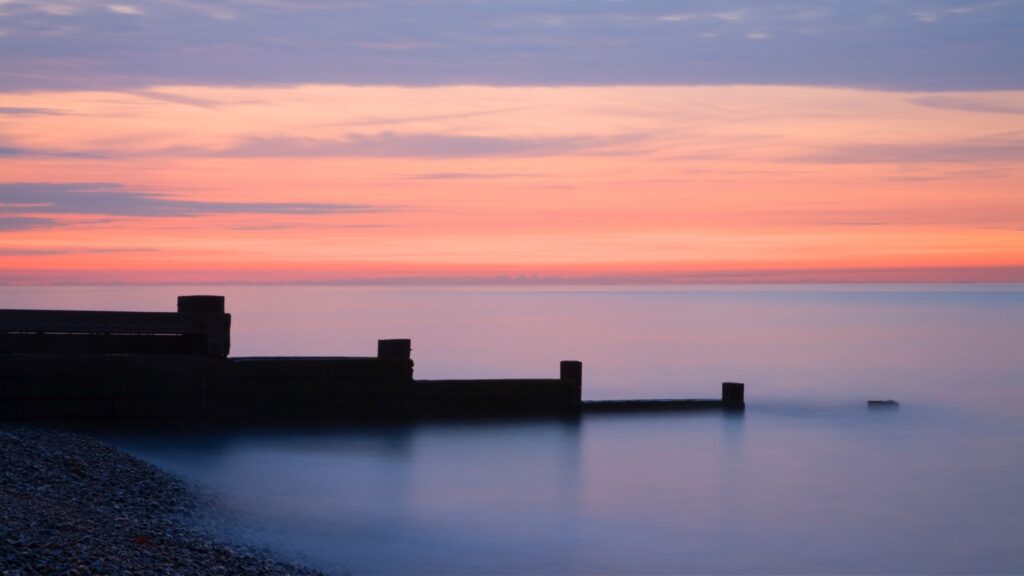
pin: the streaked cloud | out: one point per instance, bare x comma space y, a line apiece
22, 151
70, 250
320, 182
997, 148
932, 12
465, 176
28, 111
100, 198
124, 9
380, 121
14, 223
394, 145
972, 103
55, 8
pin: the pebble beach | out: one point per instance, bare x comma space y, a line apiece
72, 505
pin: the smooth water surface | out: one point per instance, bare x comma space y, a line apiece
807, 480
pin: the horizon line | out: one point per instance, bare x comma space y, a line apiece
926, 275
482, 283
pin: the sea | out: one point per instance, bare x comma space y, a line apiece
807, 480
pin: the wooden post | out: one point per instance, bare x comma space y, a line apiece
572, 371
732, 394
200, 304
397, 356
218, 324
400, 349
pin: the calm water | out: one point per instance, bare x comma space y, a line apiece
806, 481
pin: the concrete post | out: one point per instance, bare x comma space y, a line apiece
217, 323
732, 394
572, 371
400, 349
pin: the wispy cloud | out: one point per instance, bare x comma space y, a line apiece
109, 199
29, 111
267, 226
15, 223
465, 176
933, 14
968, 104
377, 121
177, 99
124, 9
997, 148
896, 216
394, 145
70, 250
7, 151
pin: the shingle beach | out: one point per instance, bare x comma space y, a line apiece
72, 505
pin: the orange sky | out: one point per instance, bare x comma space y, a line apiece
340, 183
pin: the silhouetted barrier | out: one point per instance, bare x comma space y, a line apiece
200, 326
453, 397
732, 394
88, 365
732, 399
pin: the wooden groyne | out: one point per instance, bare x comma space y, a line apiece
90, 365
732, 399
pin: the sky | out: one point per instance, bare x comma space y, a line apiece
272, 141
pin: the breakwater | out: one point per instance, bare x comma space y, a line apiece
97, 365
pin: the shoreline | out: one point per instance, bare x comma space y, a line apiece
73, 505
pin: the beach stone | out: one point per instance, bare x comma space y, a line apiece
71, 505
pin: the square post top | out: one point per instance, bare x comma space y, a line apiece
201, 304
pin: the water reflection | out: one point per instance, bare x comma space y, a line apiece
776, 490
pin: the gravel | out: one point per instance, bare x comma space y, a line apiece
72, 505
